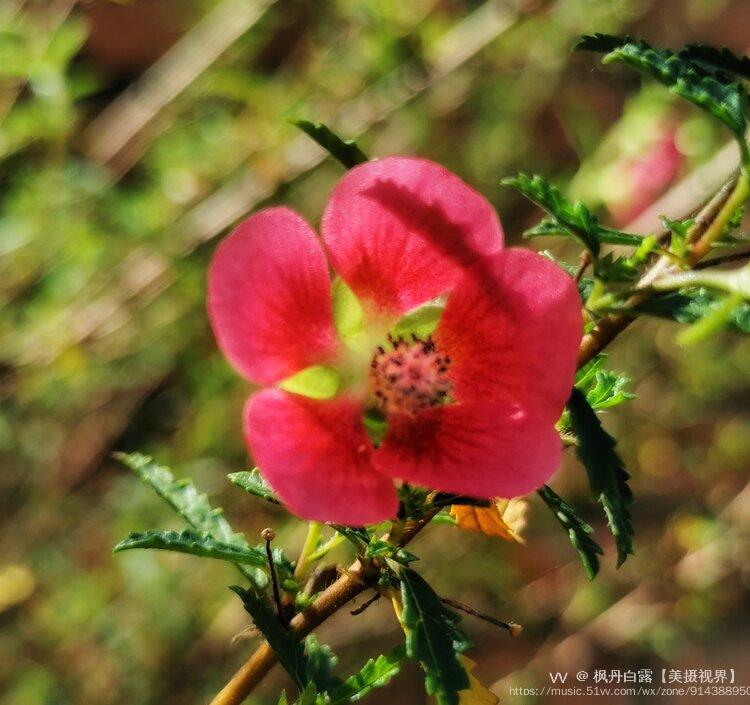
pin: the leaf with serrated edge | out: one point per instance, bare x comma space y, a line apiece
288, 648
345, 151
606, 473
374, 674
252, 481
578, 530
191, 505
433, 638
194, 543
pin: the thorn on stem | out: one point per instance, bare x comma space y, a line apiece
365, 605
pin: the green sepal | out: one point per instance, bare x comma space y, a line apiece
315, 382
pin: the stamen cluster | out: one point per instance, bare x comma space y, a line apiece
410, 376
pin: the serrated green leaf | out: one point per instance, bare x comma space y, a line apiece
603, 388
346, 151
433, 638
579, 532
376, 673
194, 543
192, 506
712, 58
606, 473
725, 101
691, 305
320, 663
570, 218
288, 648
252, 481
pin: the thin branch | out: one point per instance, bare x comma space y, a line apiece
511, 627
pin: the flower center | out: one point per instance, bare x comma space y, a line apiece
409, 377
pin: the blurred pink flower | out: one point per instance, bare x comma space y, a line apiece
469, 409
646, 177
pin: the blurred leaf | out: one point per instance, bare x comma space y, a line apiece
579, 532
690, 305
732, 281
252, 481
374, 674
712, 323
288, 648
504, 518
192, 506
725, 101
203, 545
606, 473
433, 638
320, 663
346, 151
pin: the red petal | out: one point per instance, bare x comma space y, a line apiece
512, 328
317, 457
269, 297
478, 449
400, 231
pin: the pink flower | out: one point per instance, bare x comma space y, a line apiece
469, 403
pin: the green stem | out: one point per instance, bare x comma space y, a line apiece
314, 532
739, 195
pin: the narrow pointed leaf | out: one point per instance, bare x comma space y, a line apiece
193, 543
608, 478
346, 151
579, 532
192, 506
433, 638
374, 674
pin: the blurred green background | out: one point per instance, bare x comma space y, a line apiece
133, 134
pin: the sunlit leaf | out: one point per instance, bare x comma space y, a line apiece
194, 543
374, 674
192, 506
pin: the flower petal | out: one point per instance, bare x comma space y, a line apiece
400, 231
479, 449
317, 457
512, 328
269, 297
